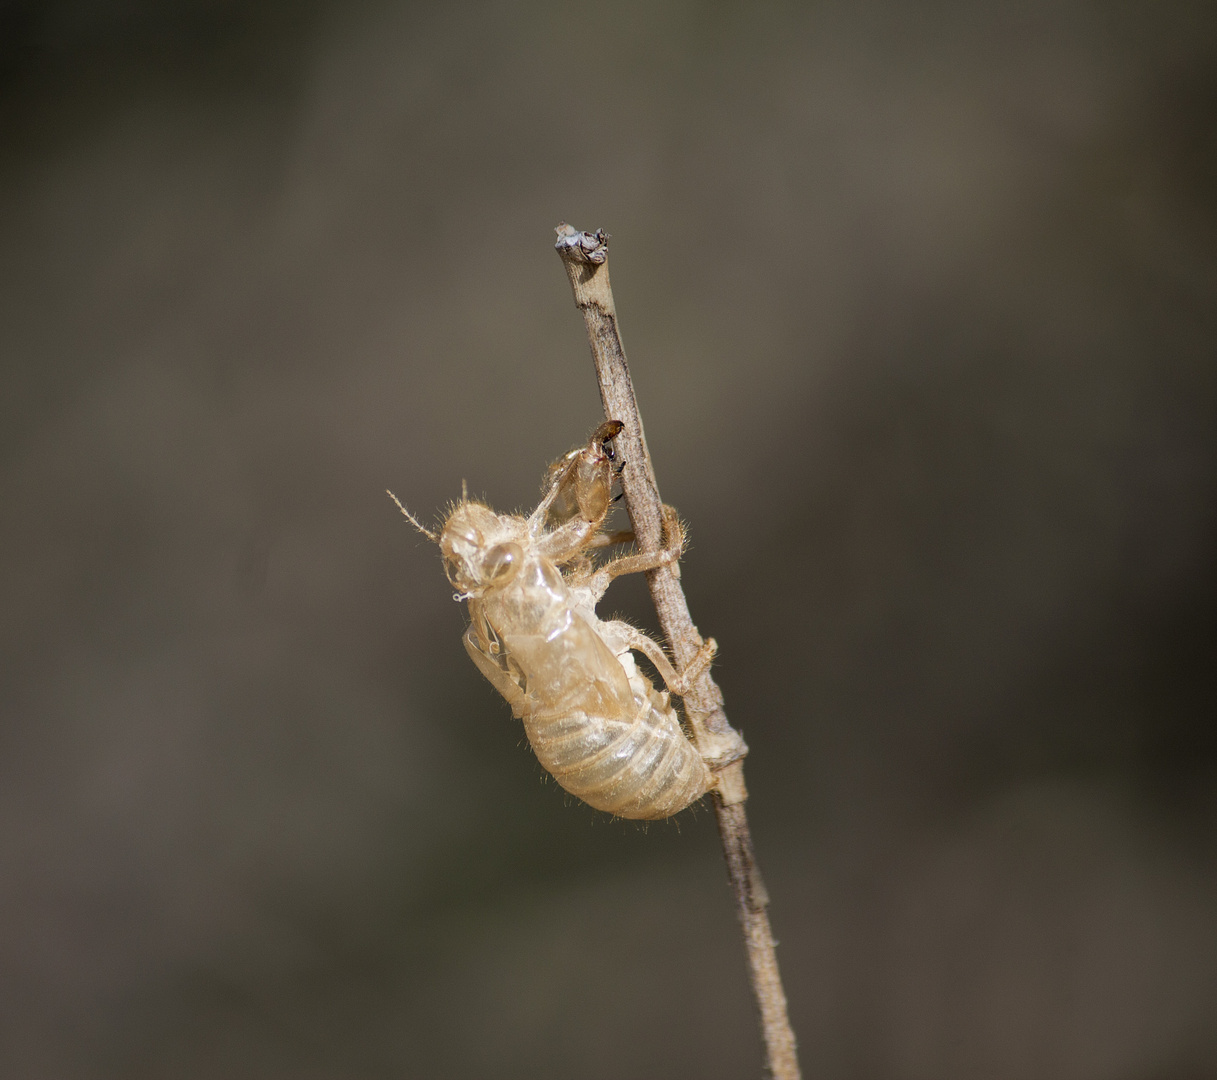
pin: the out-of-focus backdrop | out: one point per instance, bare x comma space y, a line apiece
921, 304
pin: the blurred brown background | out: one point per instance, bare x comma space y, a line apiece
921, 303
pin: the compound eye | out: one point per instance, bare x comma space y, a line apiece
502, 563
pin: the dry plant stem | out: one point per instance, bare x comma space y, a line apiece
585, 257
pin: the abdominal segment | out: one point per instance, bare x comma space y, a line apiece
636, 767
595, 723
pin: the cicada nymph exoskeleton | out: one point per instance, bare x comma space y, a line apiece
595, 721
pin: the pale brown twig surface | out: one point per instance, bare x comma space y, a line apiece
585, 256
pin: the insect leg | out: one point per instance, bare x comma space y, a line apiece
623, 536
579, 482
484, 649
536, 519
567, 541
677, 683
635, 564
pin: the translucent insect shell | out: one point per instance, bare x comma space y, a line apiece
595, 722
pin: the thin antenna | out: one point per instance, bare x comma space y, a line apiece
412, 519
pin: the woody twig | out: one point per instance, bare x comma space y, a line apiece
585, 256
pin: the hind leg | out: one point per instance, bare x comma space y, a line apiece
677, 683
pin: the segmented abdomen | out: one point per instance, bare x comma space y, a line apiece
643, 767
595, 723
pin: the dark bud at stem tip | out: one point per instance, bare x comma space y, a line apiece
582, 246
